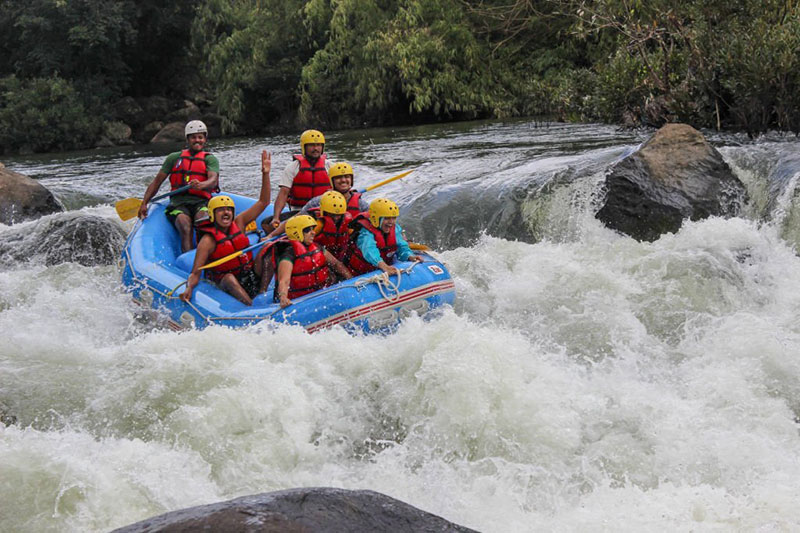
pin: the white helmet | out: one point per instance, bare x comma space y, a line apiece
195, 126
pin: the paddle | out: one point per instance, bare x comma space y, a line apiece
418, 247
237, 253
388, 180
129, 207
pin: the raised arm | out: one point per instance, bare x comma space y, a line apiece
252, 212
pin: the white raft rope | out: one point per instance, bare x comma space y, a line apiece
389, 290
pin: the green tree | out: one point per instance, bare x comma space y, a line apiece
710, 63
79, 39
256, 50
414, 58
44, 114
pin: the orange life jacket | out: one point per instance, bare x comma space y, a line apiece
228, 243
309, 271
187, 168
335, 239
387, 246
311, 181
353, 202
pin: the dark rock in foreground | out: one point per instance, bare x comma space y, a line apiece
71, 237
87, 240
675, 175
24, 198
300, 510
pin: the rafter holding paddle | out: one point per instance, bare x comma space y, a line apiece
236, 254
128, 208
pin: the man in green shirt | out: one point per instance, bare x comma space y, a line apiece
193, 167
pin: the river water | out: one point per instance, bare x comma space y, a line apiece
582, 382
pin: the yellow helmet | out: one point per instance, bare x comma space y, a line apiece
381, 208
311, 137
217, 202
296, 225
341, 169
333, 203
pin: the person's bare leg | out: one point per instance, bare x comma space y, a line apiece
235, 289
265, 266
184, 225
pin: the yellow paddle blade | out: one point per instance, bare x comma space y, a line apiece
251, 227
234, 255
128, 208
418, 247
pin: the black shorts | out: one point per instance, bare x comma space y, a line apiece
247, 278
188, 204
249, 281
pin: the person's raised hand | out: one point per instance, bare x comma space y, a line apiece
266, 162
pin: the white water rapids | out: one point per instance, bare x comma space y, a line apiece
584, 382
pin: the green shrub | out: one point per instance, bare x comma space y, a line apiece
44, 114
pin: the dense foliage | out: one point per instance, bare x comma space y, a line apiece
264, 64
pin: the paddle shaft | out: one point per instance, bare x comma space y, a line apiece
170, 193
128, 208
388, 180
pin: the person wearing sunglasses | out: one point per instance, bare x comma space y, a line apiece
302, 265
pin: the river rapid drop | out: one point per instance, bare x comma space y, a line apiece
582, 382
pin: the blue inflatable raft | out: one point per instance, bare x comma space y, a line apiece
153, 267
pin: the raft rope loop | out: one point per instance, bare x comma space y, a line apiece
385, 285
170, 293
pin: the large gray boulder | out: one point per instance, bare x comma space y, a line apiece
23, 198
155, 107
675, 175
189, 111
173, 132
118, 132
304, 510
129, 111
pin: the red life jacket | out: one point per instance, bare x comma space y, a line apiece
228, 243
352, 203
187, 168
310, 181
387, 245
309, 271
335, 239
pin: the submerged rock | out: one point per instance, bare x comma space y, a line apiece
73, 237
87, 240
301, 510
673, 176
24, 198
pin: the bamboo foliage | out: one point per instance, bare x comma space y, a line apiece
346, 63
